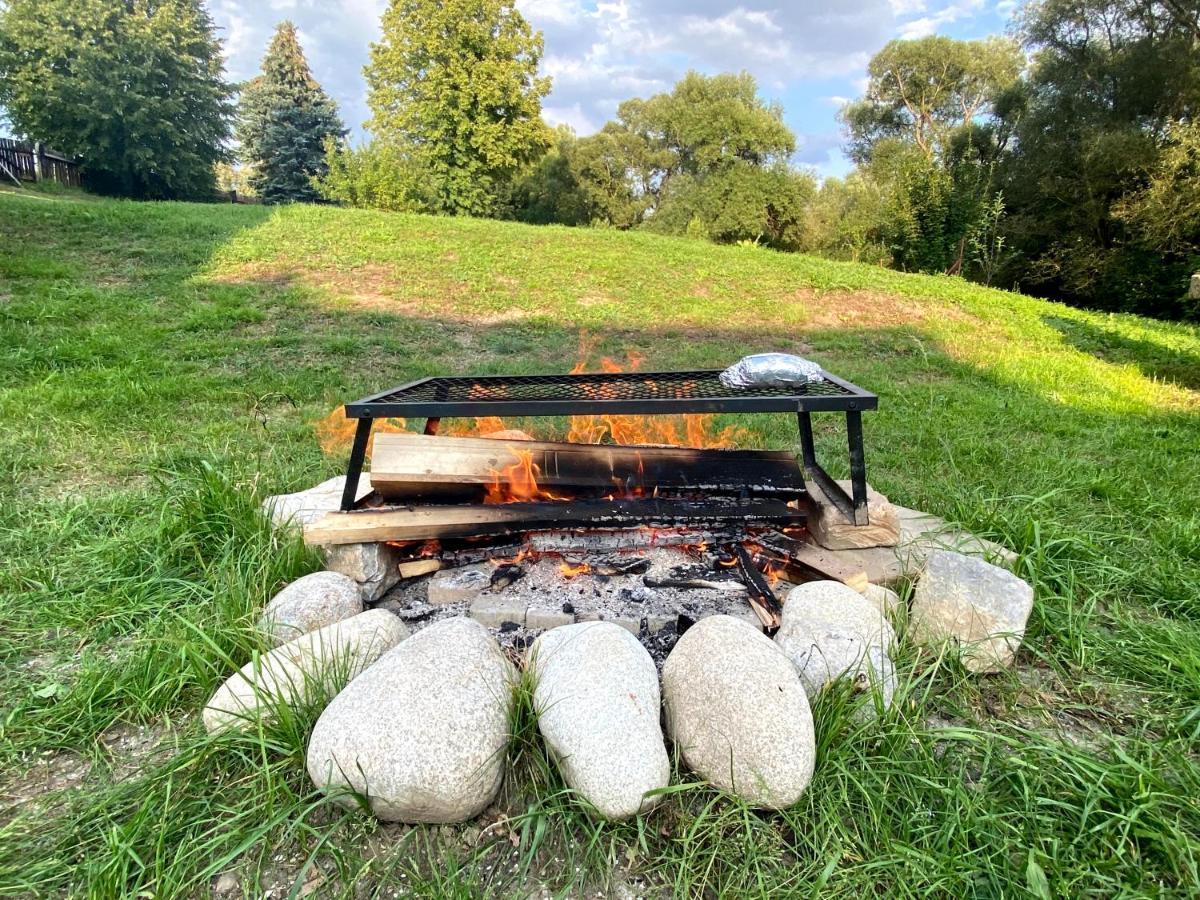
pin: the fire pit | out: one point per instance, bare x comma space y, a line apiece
624, 393
679, 521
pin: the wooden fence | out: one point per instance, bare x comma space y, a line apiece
36, 162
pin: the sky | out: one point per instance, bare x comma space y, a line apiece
809, 55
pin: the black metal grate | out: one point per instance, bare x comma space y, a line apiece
615, 386
599, 393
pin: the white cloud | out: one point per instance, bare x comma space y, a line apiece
947, 15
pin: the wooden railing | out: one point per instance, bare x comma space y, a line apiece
36, 162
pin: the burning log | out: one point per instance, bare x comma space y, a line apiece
407, 466
568, 543
418, 523
762, 599
798, 562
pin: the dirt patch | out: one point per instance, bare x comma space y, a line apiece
121, 752
382, 287
372, 286
839, 309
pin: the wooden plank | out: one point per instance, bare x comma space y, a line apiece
414, 568
407, 466
800, 561
425, 522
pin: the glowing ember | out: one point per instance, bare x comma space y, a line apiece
569, 571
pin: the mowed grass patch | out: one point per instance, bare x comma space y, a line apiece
164, 367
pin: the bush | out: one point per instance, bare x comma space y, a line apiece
375, 176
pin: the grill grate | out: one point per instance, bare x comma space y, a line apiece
603, 393
617, 386
635, 393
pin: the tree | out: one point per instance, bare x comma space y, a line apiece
284, 120
550, 190
374, 176
927, 133
923, 91
1166, 213
455, 85
133, 87
740, 202
1109, 80
708, 127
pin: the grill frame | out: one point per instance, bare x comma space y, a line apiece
414, 400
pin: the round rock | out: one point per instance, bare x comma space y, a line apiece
738, 713
978, 607
309, 603
597, 699
311, 668
830, 631
421, 734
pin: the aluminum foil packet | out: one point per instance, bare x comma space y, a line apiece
771, 370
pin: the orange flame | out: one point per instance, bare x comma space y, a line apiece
518, 483
569, 571
336, 432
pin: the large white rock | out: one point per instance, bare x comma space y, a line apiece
309, 603
738, 713
979, 607
830, 631
311, 668
598, 706
307, 506
422, 734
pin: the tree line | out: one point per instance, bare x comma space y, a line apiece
1062, 160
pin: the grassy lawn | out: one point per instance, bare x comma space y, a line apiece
163, 368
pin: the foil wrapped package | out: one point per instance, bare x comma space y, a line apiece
771, 370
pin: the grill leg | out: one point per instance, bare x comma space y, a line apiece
858, 465
854, 510
431, 425
358, 453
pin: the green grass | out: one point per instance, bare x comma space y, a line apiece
163, 366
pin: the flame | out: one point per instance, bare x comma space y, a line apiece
518, 483
569, 571
336, 432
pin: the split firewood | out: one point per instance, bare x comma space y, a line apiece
406, 466
414, 568
762, 599
595, 540
424, 522
696, 583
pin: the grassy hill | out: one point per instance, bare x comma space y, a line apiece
164, 366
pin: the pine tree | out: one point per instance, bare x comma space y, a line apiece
454, 83
133, 87
284, 120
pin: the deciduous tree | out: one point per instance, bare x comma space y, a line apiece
1109, 80
133, 87
454, 83
923, 91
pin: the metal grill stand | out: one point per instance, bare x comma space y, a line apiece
624, 393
